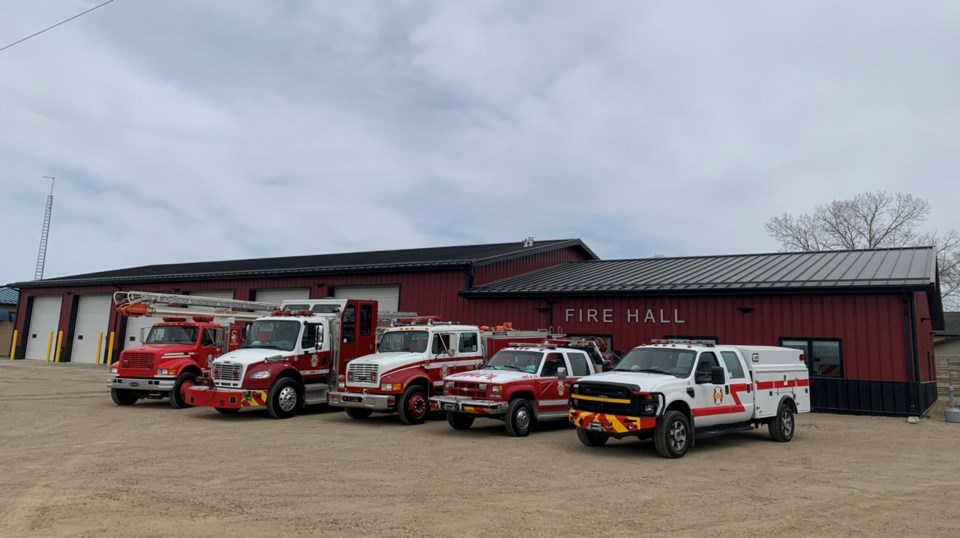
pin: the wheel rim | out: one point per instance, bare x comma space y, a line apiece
786, 423
678, 436
417, 406
287, 398
522, 419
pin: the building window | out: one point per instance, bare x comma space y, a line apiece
824, 357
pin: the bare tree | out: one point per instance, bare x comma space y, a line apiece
872, 220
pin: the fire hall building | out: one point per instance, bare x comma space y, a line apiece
864, 319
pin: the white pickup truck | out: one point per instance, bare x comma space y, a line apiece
676, 392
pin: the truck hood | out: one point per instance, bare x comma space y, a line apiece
647, 381
247, 356
386, 362
160, 349
497, 377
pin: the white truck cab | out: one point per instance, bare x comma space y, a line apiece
676, 392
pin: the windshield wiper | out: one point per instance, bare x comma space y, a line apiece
512, 367
656, 371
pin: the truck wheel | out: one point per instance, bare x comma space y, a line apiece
358, 412
782, 426
460, 421
284, 400
185, 380
227, 410
519, 419
672, 435
414, 406
592, 438
124, 396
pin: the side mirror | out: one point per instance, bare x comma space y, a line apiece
716, 375
143, 334
561, 373
319, 336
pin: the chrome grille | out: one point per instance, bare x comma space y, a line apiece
138, 360
469, 390
362, 373
226, 372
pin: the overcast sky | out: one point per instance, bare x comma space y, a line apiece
197, 130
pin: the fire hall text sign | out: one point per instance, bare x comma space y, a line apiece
631, 315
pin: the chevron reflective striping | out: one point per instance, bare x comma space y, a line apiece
256, 398
611, 423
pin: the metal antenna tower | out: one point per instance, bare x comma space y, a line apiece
42, 255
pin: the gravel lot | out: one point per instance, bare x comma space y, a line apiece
74, 464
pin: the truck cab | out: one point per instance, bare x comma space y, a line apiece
174, 354
676, 393
521, 385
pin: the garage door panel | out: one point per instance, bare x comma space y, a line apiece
93, 316
279, 295
387, 297
44, 317
131, 336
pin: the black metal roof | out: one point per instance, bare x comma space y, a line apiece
850, 270
384, 260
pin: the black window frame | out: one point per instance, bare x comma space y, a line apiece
808, 353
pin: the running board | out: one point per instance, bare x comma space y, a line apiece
711, 431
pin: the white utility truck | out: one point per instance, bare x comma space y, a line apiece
678, 391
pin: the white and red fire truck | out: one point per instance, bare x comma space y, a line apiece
521, 385
410, 364
177, 350
678, 392
290, 358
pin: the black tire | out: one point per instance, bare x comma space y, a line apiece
460, 421
590, 438
519, 419
284, 400
184, 380
783, 425
124, 396
358, 413
673, 435
414, 405
227, 410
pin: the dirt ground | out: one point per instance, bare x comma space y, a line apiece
75, 464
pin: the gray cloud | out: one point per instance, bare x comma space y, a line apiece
190, 130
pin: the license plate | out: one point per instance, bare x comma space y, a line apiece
596, 427
353, 399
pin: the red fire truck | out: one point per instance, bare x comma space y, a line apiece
289, 358
176, 350
410, 364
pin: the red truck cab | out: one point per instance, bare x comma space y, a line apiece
175, 353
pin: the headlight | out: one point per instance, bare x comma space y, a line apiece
496, 389
113, 370
448, 384
167, 371
649, 409
391, 387
263, 374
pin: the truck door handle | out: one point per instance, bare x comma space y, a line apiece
727, 388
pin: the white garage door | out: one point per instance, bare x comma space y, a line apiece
132, 334
44, 317
225, 294
93, 315
277, 296
387, 297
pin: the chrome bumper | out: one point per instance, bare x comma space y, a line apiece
141, 383
466, 405
375, 402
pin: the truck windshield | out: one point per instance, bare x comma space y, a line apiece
413, 341
171, 334
520, 361
273, 334
670, 361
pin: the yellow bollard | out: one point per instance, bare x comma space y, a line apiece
59, 346
99, 345
109, 349
49, 345
13, 345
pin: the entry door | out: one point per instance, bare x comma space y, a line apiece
93, 315
44, 317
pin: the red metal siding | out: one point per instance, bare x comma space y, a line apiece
924, 329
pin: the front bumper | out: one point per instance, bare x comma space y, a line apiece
146, 384
224, 398
465, 405
374, 402
614, 425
